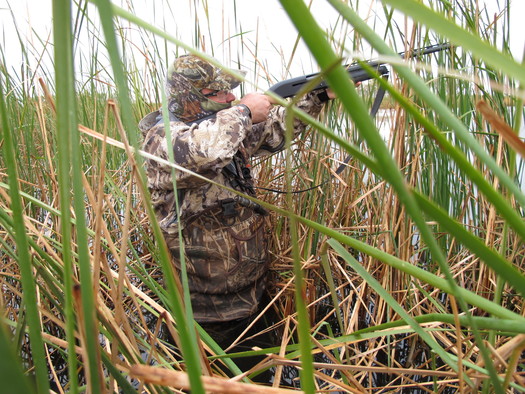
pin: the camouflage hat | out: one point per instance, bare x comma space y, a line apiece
203, 75
186, 77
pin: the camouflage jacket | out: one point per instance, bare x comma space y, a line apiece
226, 257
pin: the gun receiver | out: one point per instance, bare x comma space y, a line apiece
290, 87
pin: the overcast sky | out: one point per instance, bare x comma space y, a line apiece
264, 22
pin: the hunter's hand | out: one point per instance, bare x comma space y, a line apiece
259, 105
330, 93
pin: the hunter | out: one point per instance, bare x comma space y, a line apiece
213, 135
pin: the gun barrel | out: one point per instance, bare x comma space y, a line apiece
426, 50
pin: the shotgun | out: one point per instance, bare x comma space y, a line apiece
290, 87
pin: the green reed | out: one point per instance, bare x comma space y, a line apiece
23, 258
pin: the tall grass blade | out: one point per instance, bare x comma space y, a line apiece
30, 299
70, 158
11, 374
307, 371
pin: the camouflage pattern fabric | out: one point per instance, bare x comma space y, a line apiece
226, 257
202, 74
227, 262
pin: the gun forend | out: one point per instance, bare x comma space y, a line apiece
290, 87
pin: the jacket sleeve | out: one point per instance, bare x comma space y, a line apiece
269, 136
203, 148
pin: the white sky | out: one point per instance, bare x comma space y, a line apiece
264, 22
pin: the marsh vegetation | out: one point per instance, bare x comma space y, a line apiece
404, 272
